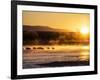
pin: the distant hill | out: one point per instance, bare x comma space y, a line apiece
42, 28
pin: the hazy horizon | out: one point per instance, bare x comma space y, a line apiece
58, 20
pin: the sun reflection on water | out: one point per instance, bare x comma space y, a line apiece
84, 56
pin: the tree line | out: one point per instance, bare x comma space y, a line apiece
53, 38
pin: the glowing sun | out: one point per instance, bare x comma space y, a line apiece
84, 30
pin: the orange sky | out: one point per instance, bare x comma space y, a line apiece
67, 21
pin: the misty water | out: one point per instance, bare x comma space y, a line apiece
40, 54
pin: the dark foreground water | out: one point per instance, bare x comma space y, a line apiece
55, 56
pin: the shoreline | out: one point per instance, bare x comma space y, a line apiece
56, 64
